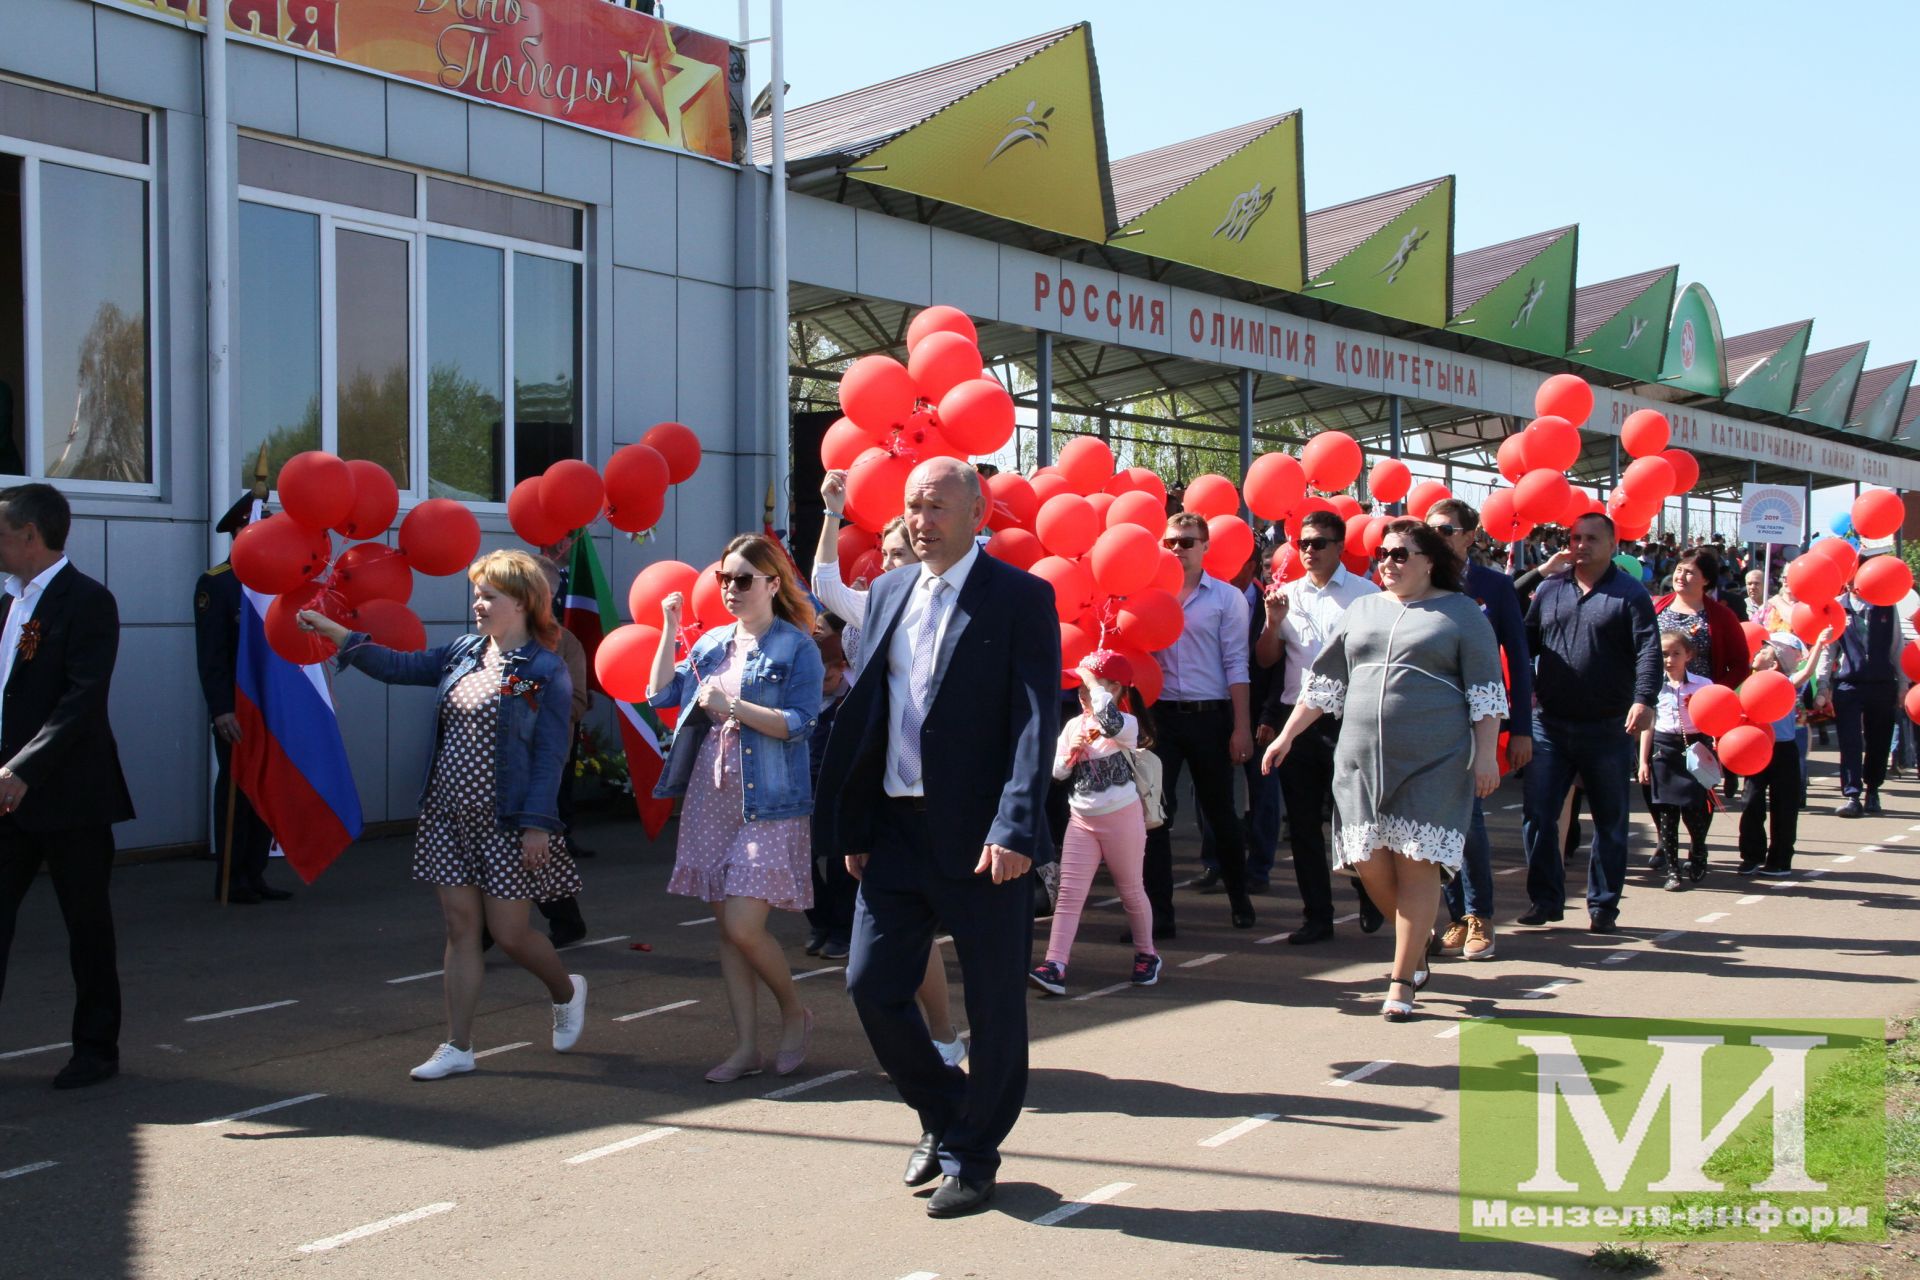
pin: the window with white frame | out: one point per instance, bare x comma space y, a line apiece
431, 326
77, 349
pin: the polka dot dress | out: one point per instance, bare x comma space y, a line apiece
460, 840
721, 854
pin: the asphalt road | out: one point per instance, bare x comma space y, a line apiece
1251, 1115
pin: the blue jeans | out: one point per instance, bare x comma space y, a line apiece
1471, 892
1260, 826
1600, 753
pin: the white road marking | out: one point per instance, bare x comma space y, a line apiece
662, 1008
1549, 989
415, 977
1270, 939
1181, 885
1348, 918
814, 973
504, 1048
26, 1169
1892, 839
1509, 808
1360, 1073
1670, 935
1620, 957
1245, 1127
39, 1048
625, 1144
597, 942
1197, 961
1711, 917
1451, 1033
1914, 827
1871, 848
1750, 899
1104, 991
1845, 857
805, 1085
251, 1112
375, 1228
1814, 874
1107, 902
921, 1275
234, 1013
1086, 1201
1510, 871
701, 920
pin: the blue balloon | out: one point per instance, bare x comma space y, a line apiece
1842, 523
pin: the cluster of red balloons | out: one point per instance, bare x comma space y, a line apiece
632, 491
624, 659
940, 403
290, 555
1283, 489
1742, 720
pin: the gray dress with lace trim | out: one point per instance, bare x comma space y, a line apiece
1408, 681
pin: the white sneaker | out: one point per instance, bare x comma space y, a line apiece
952, 1052
446, 1061
569, 1018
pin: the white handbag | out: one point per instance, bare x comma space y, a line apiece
1704, 768
1147, 778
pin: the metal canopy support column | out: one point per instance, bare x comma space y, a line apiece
1246, 422
1806, 520
1395, 443
1043, 391
1614, 481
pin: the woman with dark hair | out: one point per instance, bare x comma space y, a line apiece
748, 693
1415, 671
1712, 630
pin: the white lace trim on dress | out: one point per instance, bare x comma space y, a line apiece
1326, 693
1484, 700
1424, 841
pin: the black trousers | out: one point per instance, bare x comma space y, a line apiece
79, 862
834, 893
1864, 716
1196, 740
1306, 784
1771, 821
565, 911
251, 839
904, 900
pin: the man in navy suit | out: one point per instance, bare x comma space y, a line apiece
934, 788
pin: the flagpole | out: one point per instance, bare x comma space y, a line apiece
226, 843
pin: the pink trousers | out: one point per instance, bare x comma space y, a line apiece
1120, 840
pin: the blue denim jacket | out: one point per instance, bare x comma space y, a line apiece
535, 728
784, 674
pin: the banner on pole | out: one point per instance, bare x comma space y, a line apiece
1771, 513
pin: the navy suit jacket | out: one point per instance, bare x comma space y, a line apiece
987, 744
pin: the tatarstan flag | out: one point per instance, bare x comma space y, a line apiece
590, 614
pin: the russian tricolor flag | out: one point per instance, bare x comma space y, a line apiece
290, 760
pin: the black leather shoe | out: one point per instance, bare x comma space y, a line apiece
270, 894
1872, 806
1311, 931
923, 1166
958, 1197
565, 935
1208, 881
1370, 918
1603, 924
816, 940
81, 1072
1242, 907
1536, 916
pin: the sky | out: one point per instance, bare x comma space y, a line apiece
1764, 147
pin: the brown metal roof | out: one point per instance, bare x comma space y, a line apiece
1142, 181
1595, 304
1478, 272
1873, 384
859, 121
1820, 368
1748, 351
1336, 231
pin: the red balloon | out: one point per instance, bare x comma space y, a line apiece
1841, 552
440, 537
1511, 457
284, 636
1011, 503
1211, 495
1807, 621
637, 480
1072, 584
1101, 503
977, 416
1648, 480
1346, 506
1882, 580
1913, 702
1878, 513
376, 500
370, 571
1067, 525
1389, 480
941, 362
316, 490
1686, 470
1331, 460
1746, 749
1307, 507
1286, 564
1631, 525
1360, 566
860, 571
1357, 531
1075, 643
1047, 483
1373, 534
940, 319
1814, 579
877, 392
1276, 482
1421, 498
1910, 661
1171, 576
1017, 547
624, 661
1229, 545
1087, 464
1150, 620
1136, 508
1579, 503
652, 585
1756, 638
877, 488
1564, 395
678, 445
1500, 520
1147, 676
1716, 710
1550, 444
1645, 433
528, 515
572, 492
275, 555
850, 544
1125, 559
709, 605
1145, 481
1766, 696
1541, 496
841, 444
389, 623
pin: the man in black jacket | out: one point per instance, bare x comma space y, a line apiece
61, 789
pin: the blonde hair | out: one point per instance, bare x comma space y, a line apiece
519, 577
763, 553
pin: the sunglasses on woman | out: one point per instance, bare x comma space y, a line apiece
740, 582
1399, 555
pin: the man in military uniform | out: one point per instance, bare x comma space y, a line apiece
216, 626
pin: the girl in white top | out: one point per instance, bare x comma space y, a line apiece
1106, 823
1676, 794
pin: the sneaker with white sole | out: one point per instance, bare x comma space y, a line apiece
446, 1061
1146, 968
569, 1018
952, 1052
1479, 944
1049, 977
1453, 941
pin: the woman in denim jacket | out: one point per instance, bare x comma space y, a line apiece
489, 840
748, 694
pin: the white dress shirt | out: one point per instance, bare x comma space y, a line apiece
900, 662
1312, 614
1210, 657
850, 605
26, 598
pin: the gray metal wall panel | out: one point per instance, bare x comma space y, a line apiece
703, 512
577, 165
160, 724
341, 108
262, 92
87, 547
820, 243
966, 273
705, 362
426, 128
50, 39
893, 258
503, 146
151, 567
410, 713
646, 194
646, 347
146, 61
706, 195
360, 702
443, 601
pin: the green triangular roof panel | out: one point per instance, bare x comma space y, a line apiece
1827, 383
1764, 366
1519, 293
1877, 403
1620, 326
1909, 429
1694, 359
1390, 254
1228, 202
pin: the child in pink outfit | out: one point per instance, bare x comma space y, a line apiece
1106, 822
